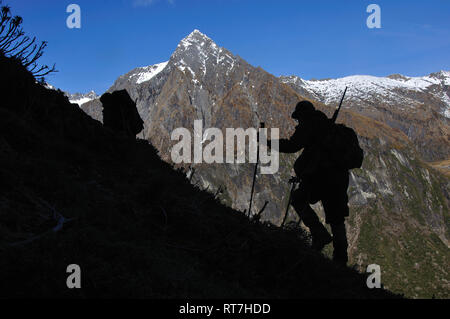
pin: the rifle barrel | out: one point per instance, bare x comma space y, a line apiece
336, 113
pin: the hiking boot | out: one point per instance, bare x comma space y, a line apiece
340, 257
339, 243
320, 238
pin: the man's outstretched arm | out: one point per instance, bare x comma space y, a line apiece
291, 145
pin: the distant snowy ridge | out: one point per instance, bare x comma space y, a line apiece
393, 88
81, 101
80, 98
75, 98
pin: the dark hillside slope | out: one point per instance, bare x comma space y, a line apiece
136, 227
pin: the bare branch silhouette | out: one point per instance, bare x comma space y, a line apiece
15, 44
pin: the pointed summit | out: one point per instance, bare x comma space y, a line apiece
197, 33
196, 38
197, 53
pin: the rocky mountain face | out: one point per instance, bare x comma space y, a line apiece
399, 204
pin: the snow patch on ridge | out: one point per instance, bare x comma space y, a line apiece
81, 101
148, 72
446, 110
399, 157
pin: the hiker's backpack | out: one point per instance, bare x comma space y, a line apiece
342, 147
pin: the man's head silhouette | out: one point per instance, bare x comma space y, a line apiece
303, 110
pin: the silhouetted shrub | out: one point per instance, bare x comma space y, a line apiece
15, 44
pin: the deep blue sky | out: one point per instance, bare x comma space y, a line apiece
311, 39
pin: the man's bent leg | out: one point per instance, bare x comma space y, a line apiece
335, 204
319, 234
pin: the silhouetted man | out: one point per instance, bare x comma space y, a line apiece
120, 113
320, 180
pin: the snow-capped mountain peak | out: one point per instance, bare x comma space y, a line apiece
197, 54
195, 37
193, 48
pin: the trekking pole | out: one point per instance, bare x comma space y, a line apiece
289, 202
255, 171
